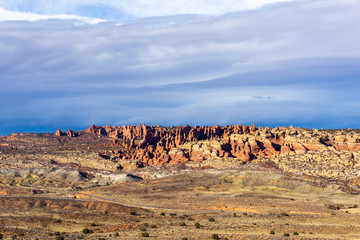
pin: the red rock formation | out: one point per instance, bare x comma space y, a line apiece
156, 145
59, 133
71, 133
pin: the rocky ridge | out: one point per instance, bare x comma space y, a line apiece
320, 153
155, 145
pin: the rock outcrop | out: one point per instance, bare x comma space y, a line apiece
142, 145
321, 153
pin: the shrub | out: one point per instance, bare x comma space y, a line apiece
87, 231
59, 238
57, 233
143, 229
145, 234
133, 213
13, 236
162, 214
106, 212
211, 219
234, 214
117, 234
182, 224
272, 232
93, 225
285, 214
295, 233
153, 226
197, 225
21, 234
286, 234
146, 224
172, 214
184, 238
1, 236
215, 236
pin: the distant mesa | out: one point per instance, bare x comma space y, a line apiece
156, 145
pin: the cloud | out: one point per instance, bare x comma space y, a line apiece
127, 9
289, 64
6, 15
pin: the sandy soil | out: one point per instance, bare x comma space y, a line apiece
243, 203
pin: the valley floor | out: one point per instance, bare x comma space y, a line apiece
255, 201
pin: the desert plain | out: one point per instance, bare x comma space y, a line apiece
151, 182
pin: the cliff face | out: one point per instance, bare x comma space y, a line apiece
155, 145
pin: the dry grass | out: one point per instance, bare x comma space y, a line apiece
245, 204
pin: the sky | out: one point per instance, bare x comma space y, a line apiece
70, 64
